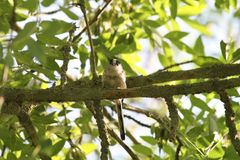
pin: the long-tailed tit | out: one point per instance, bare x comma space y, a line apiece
114, 77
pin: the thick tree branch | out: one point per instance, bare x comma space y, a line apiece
82, 94
230, 121
173, 115
216, 71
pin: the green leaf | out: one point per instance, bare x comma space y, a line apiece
37, 51
196, 25
69, 13
176, 35
199, 103
9, 60
55, 27
24, 35
47, 3
217, 152
84, 55
128, 68
149, 140
191, 10
142, 149
206, 61
57, 147
199, 47
194, 132
49, 39
154, 23
223, 46
212, 124
173, 8
183, 47
4, 25
235, 56
230, 153
30, 5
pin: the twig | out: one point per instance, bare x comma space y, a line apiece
3, 150
92, 55
93, 20
111, 119
174, 65
173, 114
178, 149
50, 12
130, 152
230, 121
137, 121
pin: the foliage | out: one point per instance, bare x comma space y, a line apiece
33, 35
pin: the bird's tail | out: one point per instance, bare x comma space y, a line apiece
120, 120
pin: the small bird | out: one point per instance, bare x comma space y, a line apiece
114, 77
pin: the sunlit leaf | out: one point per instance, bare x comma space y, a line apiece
88, 148
189, 10
196, 25
217, 152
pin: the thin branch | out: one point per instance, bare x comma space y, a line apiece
92, 55
165, 123
93, 20
111, 119
230, 121
130, 152
137, 121
178, 149
3, 150
50, 12
175, 65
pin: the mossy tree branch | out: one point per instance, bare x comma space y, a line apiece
83, 94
